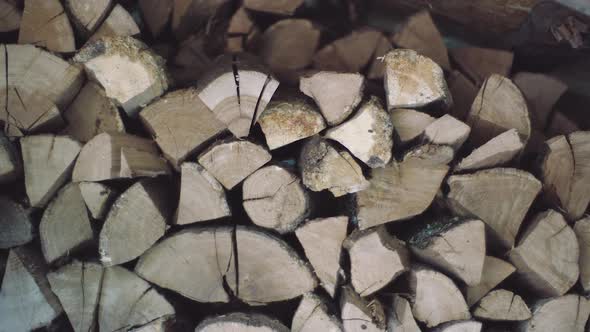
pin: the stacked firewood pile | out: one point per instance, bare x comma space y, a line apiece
249, 171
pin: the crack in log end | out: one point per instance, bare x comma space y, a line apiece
255, 115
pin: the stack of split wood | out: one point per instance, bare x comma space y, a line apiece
392, 189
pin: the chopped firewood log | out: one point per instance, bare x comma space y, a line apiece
502, 305
230, 162
242, 33
312, 315
480, 63
38, 84
328, 59
77, 285
546, 257
189, 15
564, 313
324, 167
289, 45
92, 113
140, 76
377, 68
412, 80
116, 155
582, 230
447, 130
191, 61
336, 94
48, 161
459, 326
143, 209
542, 92
181, 123
45, 24
437, 299
281, 7
497, 152
456, 246
431, 153
400, 316
10, 164
499, 106
353, 52
98, 198
421, 34
495, 271
15, 224
398, 191
127, 300
10, 16
409, 124
118, 23
359, 314
322, 242
463, 92
241, 322
201, 196
65, 226
240, 23
87, 15
560, 124
376, 259
162, 324
368, 135
275, 198
26, 299
500, 197
156, 14
580, 185
288, 120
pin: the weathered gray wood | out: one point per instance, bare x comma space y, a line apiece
86, 15
463, 92
409, 124
542, 92
460, 326
377, 67
241, 322
582, 230
447, 130
432, 154
359, 314
10, 16
98, 198
10, 163
495, 271
480, 63
564, 313
15, 224
399, 316
119, 23
350, 53
498, 151
580, 187
502, 305
156, 14
45, 24
281, 7
312, 315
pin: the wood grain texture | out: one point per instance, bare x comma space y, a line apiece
45, 24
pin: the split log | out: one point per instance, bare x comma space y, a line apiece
500, 197
48, 161
242, 33
127, 300
419, 33
156, 14
480, 63
336, 94
181, 124
455, 246
497, 152
409, 124
230, 162
191, 61
201, 196
77, 285
400, 318
322, 242
463, 92
26, 300
241, 322
542, 92
98, 198
87, 15
582, 230
288, 120
45, 24
140, 76
560, 124
37, 85
432, 154
377, 68
282, 7
447, 130
499, 106
92, 113
324, 167
359, 314
376, 259
546, 257
65, 227
11, 166
502, 305
275, 199
460, 326
312, 315
190, 15
368, 135
494, 272
10, 16
564, 313
580, 185
412, 80
15, 224
115, 155
398, 191
437, 299
162, 324
135, 222
350, 53
119, 23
